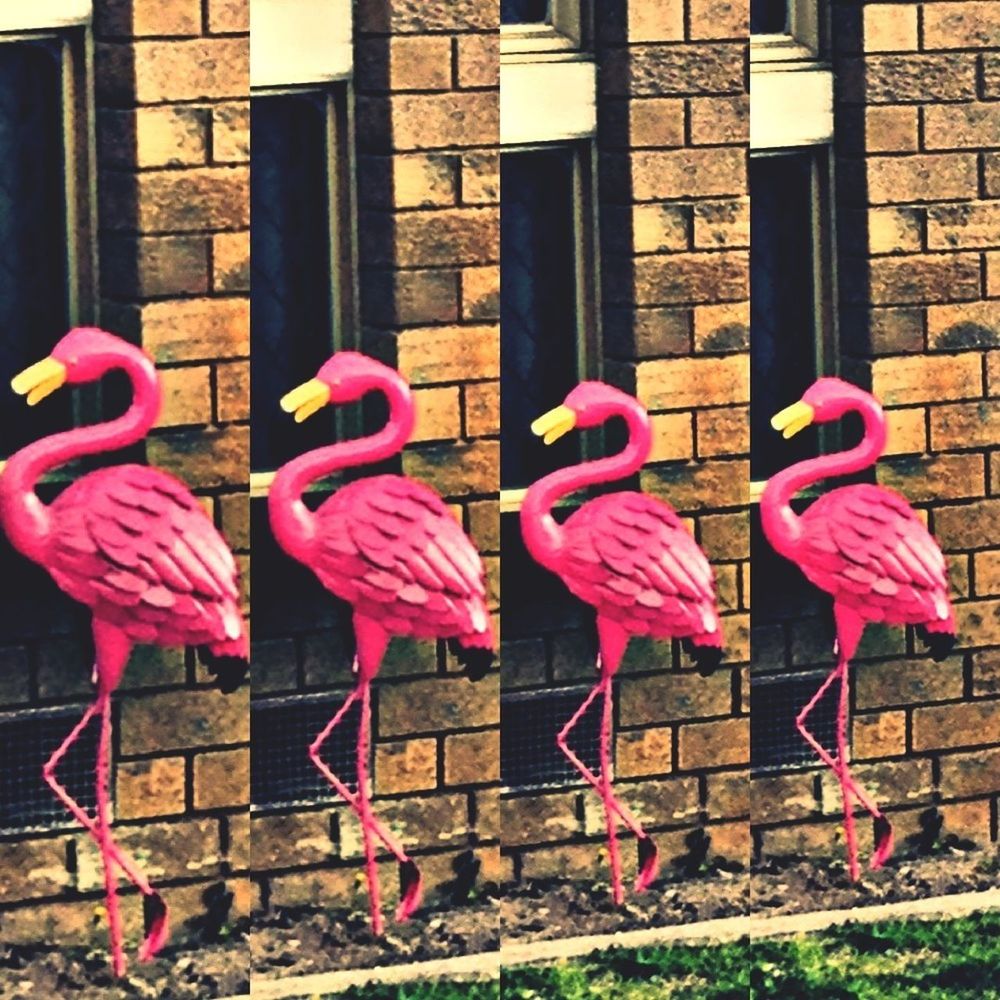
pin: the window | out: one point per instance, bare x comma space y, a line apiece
281, 771
788, 28
27, 740
529, 754
302, 232
46, 203
544, 25
775, 743
524, 11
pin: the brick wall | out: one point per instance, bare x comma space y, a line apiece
674, 223
919, 231
426, 78
173, 140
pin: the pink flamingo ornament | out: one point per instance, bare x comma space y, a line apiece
867, 547
134, 545
631, 557
390, 547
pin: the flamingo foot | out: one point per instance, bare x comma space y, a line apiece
884, 840
649, 863
411, 888
156, 924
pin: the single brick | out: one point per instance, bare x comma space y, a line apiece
724, 327
965, 25
907, 431
479, 60
444, 237
712, 744
444, 354
404, 298
728, 793
685, 383
686, 173
691, 277
960, 127
943, 726
144, 18
712, 20
233, 391
231, 132
199, 69
644, 752
154, 137
33, 868
890, 129
228, 16
699, 485
193, 329
222, 779
923, 479
203, 458
150, 788
922, 177
723, 431
907, 682
431, 121
657, 227
965, 425
656, 21
148, 267
722, 224
673, 698
672, 437
437, 704
456, 470
892, 230
438, 413
719, 120
284, 841
187, 396
879, 734
968, 774
778, 797
900, 79
405, 766
975, 525
472, 758
482, 408
481, 178
231, 262
654, 121
927, 379
890, 27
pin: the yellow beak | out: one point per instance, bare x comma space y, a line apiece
40, 380
553, 425
793, 419
306, 399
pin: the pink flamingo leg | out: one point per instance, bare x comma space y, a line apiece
104, 837
111, 852
410, 875
648, 854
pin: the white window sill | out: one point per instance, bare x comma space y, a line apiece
19, 16
295, 42
545, 100
519, 40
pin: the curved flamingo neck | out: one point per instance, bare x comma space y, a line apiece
781, 524
26, 519
542, 534
293, 523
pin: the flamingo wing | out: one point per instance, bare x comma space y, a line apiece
134, 544
632, 557
866, 545
391, 547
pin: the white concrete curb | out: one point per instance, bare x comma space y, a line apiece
487, 966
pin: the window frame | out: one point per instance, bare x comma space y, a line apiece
277, 77
568, 28
807, 36
68, 23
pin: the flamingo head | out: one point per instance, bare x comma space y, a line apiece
589, 404
85, 354
827, 399
345, 378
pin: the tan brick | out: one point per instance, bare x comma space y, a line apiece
231, 133
965, 425
481, 178
978, 622
974, 225
179, 720
993, 274
484, 524
228, 16
187, 396
891, 129
437, 704
987, 569
724, 431
193, 329
910, 682
236, 520
657, 228
154, 137
150, 788
690, 277
959, 126
898, 79
405, 766
656, 21
724, 327
969, 24
880, 734
456, 470
925, 278
419, 62
728, 793
33, 868
438, 413
673, 698
481, 293
716, 120
890, 27
968, 724
450, 237
231, 262
712, 744
985, 673
479, 60
644, 752
472, 758
684, 383
923, 478
969, 324
222, 779
722, 224
233, 388
391, 298
907, 431
699, 485
435, 121
154, 266
891, 230
482, 408
658, 121
974, 525
685, 173
444, 354
966, 774
290, 840
927, 379
144, 18
778, 797
991, 174
653, 801
672, 437
968, 820
925, 177
200, 69
891, 782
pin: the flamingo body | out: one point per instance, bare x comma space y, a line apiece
390, 546
134, 545
632, 558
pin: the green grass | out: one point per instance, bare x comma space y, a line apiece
930, 960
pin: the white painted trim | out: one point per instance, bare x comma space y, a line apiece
791, 104
300, 41
18, 15
547, 101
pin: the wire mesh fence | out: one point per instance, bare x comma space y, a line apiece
775, 701
33, 238
281, 772
529, 755
27, 740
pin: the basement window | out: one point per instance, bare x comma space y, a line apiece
529, 755
27, 740
282, 729
775, 701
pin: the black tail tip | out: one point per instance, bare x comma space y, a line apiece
477, 662
940, 644
229, 671
154, 912
707, 659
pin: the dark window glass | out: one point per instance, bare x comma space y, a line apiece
768, 17
26, 743
281, 772
33, 266
538, 334
290, 301
774, 704
529, 755
782, 314
523, 11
